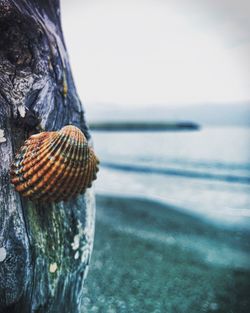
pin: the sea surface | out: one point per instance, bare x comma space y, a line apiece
205, 172
172, 223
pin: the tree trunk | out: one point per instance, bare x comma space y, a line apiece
44, 248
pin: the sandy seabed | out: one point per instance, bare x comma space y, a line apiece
150, 258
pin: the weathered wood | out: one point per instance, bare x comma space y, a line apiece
44, 248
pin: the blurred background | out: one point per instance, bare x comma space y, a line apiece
166, 89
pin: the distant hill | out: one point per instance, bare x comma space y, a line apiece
237, 114
143, 126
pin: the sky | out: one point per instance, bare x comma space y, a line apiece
163, 52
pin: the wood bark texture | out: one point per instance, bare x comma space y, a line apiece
44, 248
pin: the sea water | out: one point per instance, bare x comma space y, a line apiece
205, 172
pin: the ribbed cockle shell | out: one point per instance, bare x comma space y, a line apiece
54, 166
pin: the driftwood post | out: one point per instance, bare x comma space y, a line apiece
44, 248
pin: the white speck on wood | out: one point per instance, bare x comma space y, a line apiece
21, 110
2, 138
3, 254
76, 256
53, 268
76, 243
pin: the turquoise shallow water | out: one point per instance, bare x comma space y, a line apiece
173, 223
205, 172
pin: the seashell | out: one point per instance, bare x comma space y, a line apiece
54, 166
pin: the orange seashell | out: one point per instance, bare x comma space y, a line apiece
54, 166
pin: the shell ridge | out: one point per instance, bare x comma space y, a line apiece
58, 161
33, 168
40, 147
17, 165
34, 151
86, 174
75, 185
72, 177
33, 178
56, 181
82, 180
